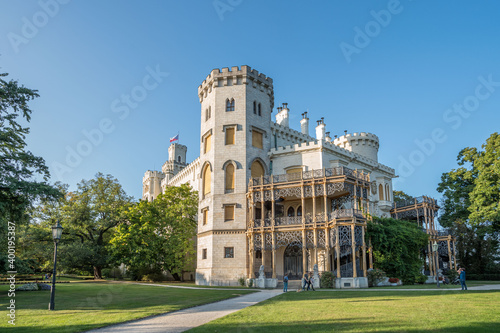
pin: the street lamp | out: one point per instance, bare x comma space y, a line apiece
56, 235
435, 247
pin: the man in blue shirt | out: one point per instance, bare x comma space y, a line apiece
461, 273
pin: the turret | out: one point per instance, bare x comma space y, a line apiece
364, 144
151, 184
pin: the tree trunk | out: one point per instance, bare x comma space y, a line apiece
97, 273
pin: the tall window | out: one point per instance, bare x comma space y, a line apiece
208, 113
229, 213
254, 107
259, 110
257, 139
299, 211
291, 212
204, 212
230, 131
229, 178
208, 143
204, 254
229, 252
207, 180
230, 104
387, 195
179, 159
257, 169
380, 192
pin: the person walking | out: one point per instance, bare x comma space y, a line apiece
305, 283
461, 274
311, 280
285, 283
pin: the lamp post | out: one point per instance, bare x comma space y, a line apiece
435, 247
56, 235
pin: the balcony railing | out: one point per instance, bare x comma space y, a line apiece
296, 220
306, 175
411, 202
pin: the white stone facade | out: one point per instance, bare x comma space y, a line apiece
241, 101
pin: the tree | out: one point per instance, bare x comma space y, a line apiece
23, 176
398, 246
159, 234
485, 196
470, 203
90, 215
401, 198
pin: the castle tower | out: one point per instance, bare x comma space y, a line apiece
236, 110
175, 163
364, 144
151, 184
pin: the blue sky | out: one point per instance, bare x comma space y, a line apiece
391, 68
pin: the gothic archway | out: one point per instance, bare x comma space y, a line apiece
292, 259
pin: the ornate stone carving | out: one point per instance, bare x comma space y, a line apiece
286, 238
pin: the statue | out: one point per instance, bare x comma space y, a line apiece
262, 275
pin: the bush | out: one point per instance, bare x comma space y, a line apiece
375, 276
242, 281
420, 279
483, 277
327, 280
250, 283
114, 273
153, 277
28, 287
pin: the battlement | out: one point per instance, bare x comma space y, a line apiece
235, 75
152, 174
356, 137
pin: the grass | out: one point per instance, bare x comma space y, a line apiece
362, 311
85, 306
443, 286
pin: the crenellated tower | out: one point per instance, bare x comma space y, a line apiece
175, 163
151, 184
236, 106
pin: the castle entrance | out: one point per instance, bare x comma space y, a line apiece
293, 261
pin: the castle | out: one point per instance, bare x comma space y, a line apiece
273, 200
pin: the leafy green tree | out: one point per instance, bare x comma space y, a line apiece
397, 247
485, 196
90, 215
23, 176
401, 198
159, 234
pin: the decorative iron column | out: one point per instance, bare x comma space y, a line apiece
353, 245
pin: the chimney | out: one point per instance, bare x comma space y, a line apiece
282, 116
304, 124
320, 129
328, 138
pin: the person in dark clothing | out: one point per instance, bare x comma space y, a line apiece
306, 282
285, 283
311, 280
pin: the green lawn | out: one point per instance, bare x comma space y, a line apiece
363, 311
85, 306
443, 286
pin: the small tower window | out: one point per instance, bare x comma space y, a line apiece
229, 178
299, 211
254, 107
179, 159
387, 194
208, 143
380, 192
207, 180
229, 213
259, 110
256, 169
257, 139
229, 104
291, 212
230, 135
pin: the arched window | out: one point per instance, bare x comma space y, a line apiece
230, 104
257, 169
259, 110
229, 177
207, 180
387, 195
179, 159
299, 211
254, 107
380, 192
291, 212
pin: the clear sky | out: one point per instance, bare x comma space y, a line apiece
422, 75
